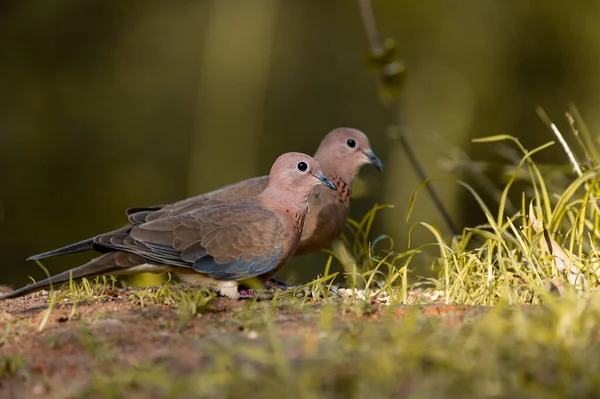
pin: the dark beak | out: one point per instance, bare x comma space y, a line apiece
326, 182
374, 160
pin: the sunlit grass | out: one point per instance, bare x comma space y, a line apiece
517, 257
10, 365
505, 351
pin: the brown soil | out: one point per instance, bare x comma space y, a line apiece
59, 359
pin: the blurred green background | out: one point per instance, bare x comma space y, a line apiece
109, 104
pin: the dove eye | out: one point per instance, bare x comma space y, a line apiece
302, 166
351, 143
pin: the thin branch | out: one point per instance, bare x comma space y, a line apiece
370, 28
376, 47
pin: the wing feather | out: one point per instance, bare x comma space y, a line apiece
232, 241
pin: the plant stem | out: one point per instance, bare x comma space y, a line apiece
375, 46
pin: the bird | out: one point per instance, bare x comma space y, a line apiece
216, 246
341, 155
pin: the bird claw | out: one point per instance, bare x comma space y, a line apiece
270, 285
248, 294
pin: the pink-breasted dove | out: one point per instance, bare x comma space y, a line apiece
216, 246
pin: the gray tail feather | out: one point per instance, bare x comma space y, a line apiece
96, 267
85, 245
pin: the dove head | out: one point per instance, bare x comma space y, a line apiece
295, 174
344, 151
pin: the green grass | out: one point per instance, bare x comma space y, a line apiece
505, 351
189, 301
10, 366
552, 241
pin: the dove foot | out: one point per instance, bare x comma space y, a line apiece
252, 294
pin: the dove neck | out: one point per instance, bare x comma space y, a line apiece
287, 198
338, 168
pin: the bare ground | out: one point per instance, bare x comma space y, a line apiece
60, 360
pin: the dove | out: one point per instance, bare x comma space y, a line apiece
216, 246
341, 155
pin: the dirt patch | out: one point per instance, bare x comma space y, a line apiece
76, 343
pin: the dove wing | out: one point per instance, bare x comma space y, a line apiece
228, 194
231, 241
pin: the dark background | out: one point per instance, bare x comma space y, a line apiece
108, 104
